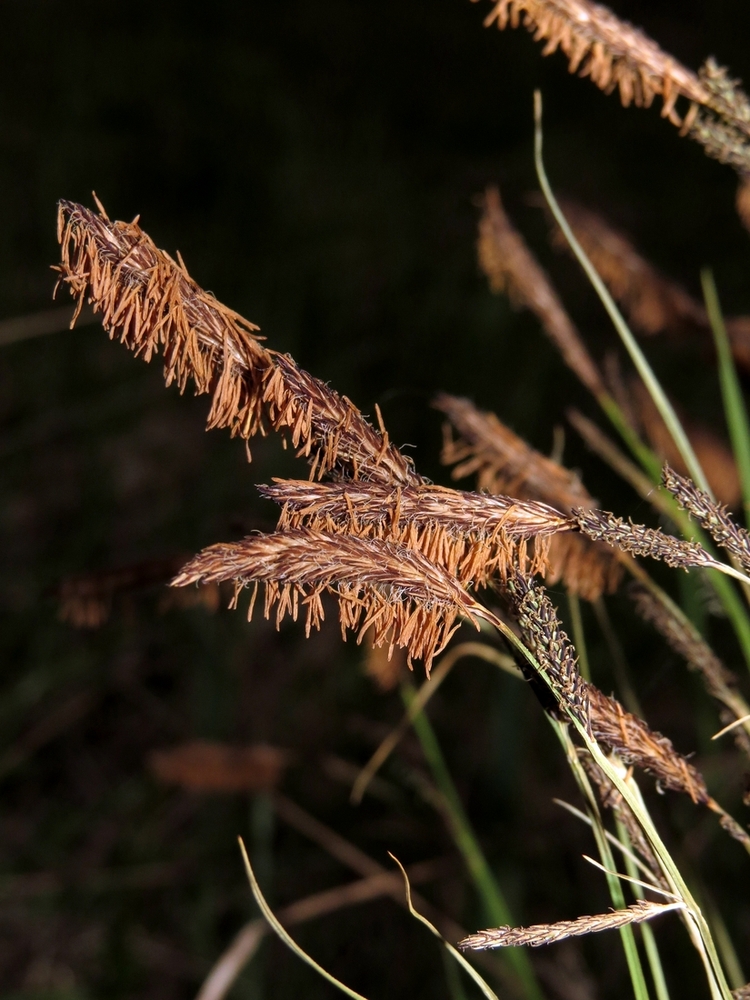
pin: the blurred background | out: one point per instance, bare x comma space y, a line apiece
317, 164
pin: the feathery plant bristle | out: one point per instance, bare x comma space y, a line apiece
404, 598
152, 305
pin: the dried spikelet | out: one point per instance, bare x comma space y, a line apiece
547, 640
150, 302
714, 455
712, 516
504, 463
639, 540
541, 934
723, 125
472, 536
652, 302
685, 640
613, 53
511, 267
85, 600
743, 993
204, 766
406, 600
638, 745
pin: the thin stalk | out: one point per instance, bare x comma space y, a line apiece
497, 909
635, 968
637, 356
579, 637
731, 391
649, 941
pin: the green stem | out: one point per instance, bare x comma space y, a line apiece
731, 391
496, 907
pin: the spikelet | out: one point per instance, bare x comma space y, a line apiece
504, 463
512, 268
639, 540
542, 934
712, 516
152, 305
687, 642
472, 536
652, 302
404, 598
713, 453
617, 56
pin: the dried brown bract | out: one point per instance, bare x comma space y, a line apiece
472, 536
639, 540
511, 267
504, 463
711, 515
204, 766
404, 598
541, 934
150, 302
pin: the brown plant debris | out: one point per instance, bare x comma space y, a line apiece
639, 540
743, 993
617, 56
151, 304
386, 671
711, 515
86, 599
404, 598
504, 463
205, 766
541, 934
472, 536
553, 650
652, 302
512, 268
713, 453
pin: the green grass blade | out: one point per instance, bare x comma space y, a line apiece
731, 390
497, 909
637, 356
282, 933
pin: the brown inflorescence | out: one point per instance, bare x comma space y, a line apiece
152, 305
639, 540
712, 516
404, 598
541, 934
504, 463
512, 268
473, 536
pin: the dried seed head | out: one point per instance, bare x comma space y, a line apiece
555, 653
511, 267
404, 598
150, 302
641, 541
712, 516
638, 745
653, 303
541, 934
504, 463
472, 536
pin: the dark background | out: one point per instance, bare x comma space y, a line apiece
317, 165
